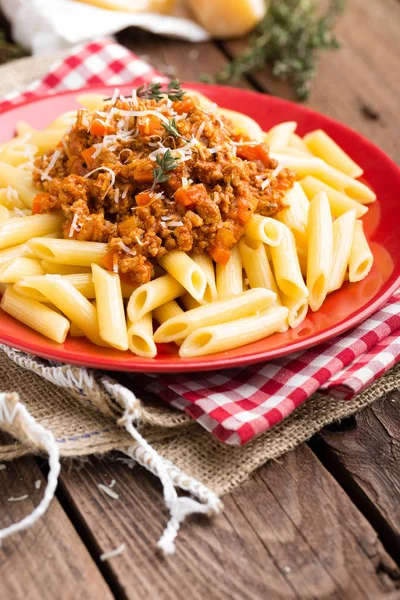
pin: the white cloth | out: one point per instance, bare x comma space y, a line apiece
45, 26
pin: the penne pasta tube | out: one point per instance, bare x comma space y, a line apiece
150, 295
323, 146
36, 315
297, 307
320, 248
17, 152
74, 331
287, 268
318, 168
189, 302
267, 230
167, 311
19, 268
47, 139
361, 258
140, 337
23, 128
71, 303
178, 264
57, 269
14, 252
110, 307
256, 265
206, 264
295, 215
10, 198
225, 336
91, 101
4, 213
68, 252
298, 142
340, 203
15, 178
26, 289
17, 231
245, 304
242, 124
279, 136
343, 233
229, 277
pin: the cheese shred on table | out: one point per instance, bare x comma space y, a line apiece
149, 176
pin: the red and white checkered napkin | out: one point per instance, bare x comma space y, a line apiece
238, 404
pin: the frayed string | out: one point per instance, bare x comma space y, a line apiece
179, 507
44, 439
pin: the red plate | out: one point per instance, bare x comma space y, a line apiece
342, 310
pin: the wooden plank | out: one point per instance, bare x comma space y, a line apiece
361, 78
364, 455
48, 561
288, 532
176, 58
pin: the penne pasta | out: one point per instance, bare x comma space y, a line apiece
318, 168
17, 231
68, 252
245, 304
279, 137
206, 264
36, 315
167, 311
256, 265
225, 336
57, 269
343, 233
287, 268
229, 277
298, 142
242, 124
19, 268
10, 198
140, 337
320, 249
295, 215
110, 308
267, 230
26, 289
71, 303
91, 101
14, 252
179, 264
361, 258
323, 146
15, 178
297, 307
150, 295
339, 202
189, 302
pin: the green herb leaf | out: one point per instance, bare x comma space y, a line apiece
175, 91
288, 39
173, 130
154, 91
167, 162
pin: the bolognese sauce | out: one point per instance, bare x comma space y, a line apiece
148, 175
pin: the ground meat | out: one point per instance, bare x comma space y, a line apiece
114, 184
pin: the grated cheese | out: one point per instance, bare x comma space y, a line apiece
115, 96
126, 248
17, 499
139, 113
134, 98
115, 263
38, 484
200, 129
19, 212
112, 553
278, 169
53, 160
112, 182
265, 184
108, 491
175, 223
116, 196
216, 149
74, 225
124, 193
139, 241
11, 194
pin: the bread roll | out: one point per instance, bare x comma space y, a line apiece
228, 18
160, 6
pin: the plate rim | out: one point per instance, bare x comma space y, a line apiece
207, 363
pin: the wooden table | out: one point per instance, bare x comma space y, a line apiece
323, 521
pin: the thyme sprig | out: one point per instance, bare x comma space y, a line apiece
288, 39
167, 162
172, 129
155, 91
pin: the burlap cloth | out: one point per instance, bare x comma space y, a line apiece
82, 414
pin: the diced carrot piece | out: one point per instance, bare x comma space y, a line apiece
98, 127
184, 106
87, 156
108, 260
143, 198
245, 208
38, 203
226, 237
253, 153
143, 175
190, 195
148, 125
220, 254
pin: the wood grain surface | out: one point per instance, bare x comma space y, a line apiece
320, 523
